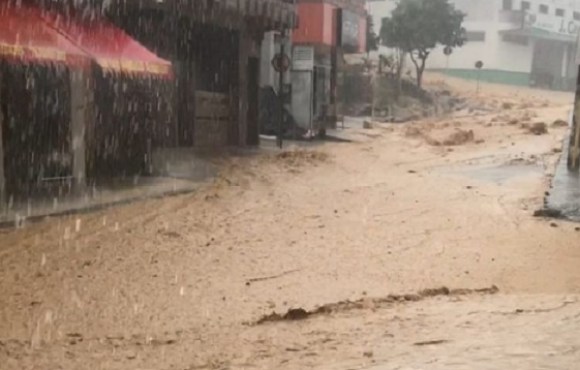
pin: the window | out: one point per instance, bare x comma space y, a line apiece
507, 4
526, 5
576, 16
544, 9
472, 36
516, 39
559, 12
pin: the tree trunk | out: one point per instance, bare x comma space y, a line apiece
420, 71
401, 55
416, 68
419, 63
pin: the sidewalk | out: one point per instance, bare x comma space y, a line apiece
115, 193
175, 171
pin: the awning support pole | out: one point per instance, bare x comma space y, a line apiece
80, 102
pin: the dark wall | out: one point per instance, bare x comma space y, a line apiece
35, 105
132, 118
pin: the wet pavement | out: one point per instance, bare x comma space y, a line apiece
123, 191
181, 282
503, 173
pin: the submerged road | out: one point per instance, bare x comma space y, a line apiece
391, 234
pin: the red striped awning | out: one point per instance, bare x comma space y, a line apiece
24, 36
111, 48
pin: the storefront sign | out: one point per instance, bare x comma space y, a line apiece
303, 58
350, 31
560, 25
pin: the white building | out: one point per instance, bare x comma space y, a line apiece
524, 42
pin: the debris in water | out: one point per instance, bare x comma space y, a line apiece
459, 137
431, 342
560, 123
538, 128
367, 303
298, 157
264, 278
507, 105
548, 213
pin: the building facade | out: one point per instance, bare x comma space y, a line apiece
327, 30
192, 84
520, 42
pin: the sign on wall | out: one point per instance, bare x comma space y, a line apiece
561, 25
303, 58
350, 31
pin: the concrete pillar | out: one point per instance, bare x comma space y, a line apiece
565, 62
81, 102
2, 173
267, 50
574, 149
245, 45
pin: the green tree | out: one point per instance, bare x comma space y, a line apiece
417, 26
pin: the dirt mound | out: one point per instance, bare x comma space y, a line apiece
301, 157
456, 138
507, 105
538, 128
413, 131
459, 137
296, 314
559, 123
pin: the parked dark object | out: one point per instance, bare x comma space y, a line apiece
269, 111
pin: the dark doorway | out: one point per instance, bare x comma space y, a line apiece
36, 110
126, 128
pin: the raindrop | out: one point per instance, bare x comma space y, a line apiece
116, 226
66, 235
48, 317
104, 220
19, 221
78, 225
43, 260
182, 291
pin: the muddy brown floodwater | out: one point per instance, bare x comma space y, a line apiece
382, 253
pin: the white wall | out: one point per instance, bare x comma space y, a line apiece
267, 52
483, 15
269, 48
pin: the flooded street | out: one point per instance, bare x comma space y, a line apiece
406, 248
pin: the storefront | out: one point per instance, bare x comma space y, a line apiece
53, 123
215, 49
325, 34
